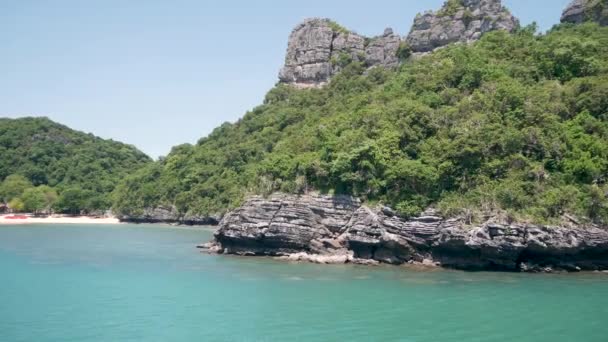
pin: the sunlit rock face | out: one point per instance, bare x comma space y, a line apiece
579, 11
340, 229
459, 21
319, 48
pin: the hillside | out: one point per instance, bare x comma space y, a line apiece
515, 124
47, 153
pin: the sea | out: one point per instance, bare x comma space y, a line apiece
150, 283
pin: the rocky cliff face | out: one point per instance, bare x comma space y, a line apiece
318, 48
579, 11
459, 21
329, 229
169, 215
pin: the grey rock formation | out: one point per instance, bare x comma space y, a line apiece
284, 224
382, 50
318, 49
327, 229
169, 215
579, 11
459, 21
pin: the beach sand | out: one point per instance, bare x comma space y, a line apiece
59, 219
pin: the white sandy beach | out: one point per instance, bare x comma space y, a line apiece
58, 219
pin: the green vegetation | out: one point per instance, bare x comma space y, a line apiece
337, 28
13, 186
404, 51
39, 199
342, 60
516, 124
467, 17
40, 158
596, 10
449, 8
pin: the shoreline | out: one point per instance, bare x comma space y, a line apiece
57, 219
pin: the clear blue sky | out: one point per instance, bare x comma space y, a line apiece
160, 73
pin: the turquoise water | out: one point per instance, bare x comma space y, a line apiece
149, 283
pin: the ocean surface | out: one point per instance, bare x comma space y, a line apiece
149, 283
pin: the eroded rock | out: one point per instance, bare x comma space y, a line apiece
461, 21
326, 229
169, 215
319, 48
579, 11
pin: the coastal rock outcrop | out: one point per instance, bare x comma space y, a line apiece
169, 215
284, 224
579, 11
319, 48
459, 21
338, 229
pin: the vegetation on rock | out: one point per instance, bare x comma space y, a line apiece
514, 124
450, 7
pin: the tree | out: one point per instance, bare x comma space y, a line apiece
71, 201
516, 123
50, 196
16, 205
13, 186
34, 200
95, 203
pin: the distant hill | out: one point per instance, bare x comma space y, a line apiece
48, 153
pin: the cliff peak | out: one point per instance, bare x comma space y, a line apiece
579, 11
319, 48
459, 21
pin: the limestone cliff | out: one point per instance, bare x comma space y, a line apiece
339, 229
579, 11
319, 48
459, 21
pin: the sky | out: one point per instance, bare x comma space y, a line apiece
156, 74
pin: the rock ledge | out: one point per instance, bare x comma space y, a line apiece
327, 229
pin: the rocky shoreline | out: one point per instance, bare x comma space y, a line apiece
169, 215
339, 229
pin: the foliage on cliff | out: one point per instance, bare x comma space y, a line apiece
515, 123
47, 153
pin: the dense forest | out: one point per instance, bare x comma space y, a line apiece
515, 125
46, 166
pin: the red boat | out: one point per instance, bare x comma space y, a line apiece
16, 217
